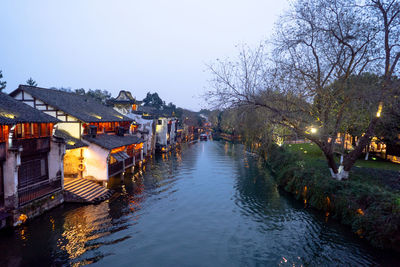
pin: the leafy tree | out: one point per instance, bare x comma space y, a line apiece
171, 106
101, 95
65, 89
2, 83
388, 129
205, 111
153, 100
31, 82
80, 91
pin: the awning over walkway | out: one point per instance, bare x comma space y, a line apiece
111, 141
120, 156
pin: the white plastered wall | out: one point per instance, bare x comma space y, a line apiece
10, 172
73, 128
172, 134
55, 161
145, 125
96, 162
161, 132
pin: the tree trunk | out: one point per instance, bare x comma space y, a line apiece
351, 158
332, 164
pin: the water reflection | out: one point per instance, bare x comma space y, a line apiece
297, 233
83, 225
209, 204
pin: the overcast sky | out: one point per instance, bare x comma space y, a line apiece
151, 45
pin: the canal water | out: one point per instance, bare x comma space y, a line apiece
208, 204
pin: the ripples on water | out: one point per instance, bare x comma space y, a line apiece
210, 204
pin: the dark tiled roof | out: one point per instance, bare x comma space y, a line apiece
113, 141
124, 97
154, 111
13, 111
120, 156
71, 142
145, 115
82, 107
144, 132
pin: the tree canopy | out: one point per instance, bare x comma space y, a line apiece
2, 83
31, 82
153, 100
313, 77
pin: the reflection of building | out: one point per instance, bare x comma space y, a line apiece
31, 169
98, 146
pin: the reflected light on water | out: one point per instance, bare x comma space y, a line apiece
52, 223
83, 227
23, 234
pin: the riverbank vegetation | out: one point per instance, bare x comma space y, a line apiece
369, 202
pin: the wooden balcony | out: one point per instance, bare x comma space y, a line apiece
33, 146
129, 162
38, 190
137, 156
115, 168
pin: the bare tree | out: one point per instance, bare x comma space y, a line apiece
303, 84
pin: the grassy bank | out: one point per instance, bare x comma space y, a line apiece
369, 201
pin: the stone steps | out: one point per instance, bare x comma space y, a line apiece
84, 191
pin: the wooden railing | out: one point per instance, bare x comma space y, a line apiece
115, 168
35, 191
137, 156
128, 162
32, 146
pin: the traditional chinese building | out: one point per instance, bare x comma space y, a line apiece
31, 161
166, 131
98, 141
166, 127
145, 122
158, 127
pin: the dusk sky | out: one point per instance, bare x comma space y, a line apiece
154, 45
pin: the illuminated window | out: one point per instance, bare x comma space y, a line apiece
3, 133
109, 126
43, 130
